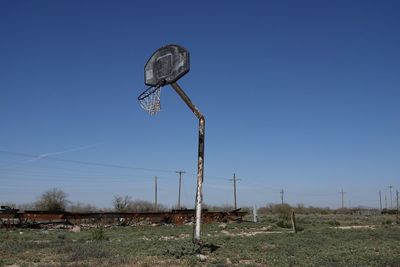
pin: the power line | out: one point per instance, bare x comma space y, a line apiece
94, 174
107, 165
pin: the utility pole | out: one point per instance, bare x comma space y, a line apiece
234, 189
390, 190
342, 198
380, 199
397, 206
180, 186
282, 192
155, 194
385, 202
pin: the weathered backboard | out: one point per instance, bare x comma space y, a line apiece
167, 65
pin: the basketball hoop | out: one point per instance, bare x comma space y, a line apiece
150, 99
166, 66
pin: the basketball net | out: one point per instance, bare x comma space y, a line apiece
150, 100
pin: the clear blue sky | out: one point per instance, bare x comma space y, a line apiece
299, 95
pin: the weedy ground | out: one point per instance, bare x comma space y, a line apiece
325, 240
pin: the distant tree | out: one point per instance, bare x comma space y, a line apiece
121, 203
52, 200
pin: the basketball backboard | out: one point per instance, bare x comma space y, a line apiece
167, 65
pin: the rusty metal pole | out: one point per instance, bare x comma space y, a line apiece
200, 163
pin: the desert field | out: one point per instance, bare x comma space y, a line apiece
322, 240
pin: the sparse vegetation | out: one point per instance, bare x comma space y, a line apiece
366, 238
81, 207
327, 240
126, 204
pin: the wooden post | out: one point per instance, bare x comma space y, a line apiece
294, 222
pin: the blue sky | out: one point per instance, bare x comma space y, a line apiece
299, 95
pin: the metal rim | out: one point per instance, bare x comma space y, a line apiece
151, 90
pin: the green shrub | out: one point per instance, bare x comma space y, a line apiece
284, 224
334, 223
98, 234
387, 222
284, 211
61, 236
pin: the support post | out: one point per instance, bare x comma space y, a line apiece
200, 162
294, 226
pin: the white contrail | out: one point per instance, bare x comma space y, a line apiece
45, 155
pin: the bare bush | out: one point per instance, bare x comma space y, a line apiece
140, 206
81, 207
299, 209
125, 204
52, 200
121, 203
283, 210
217, 208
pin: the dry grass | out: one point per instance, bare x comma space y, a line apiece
357, 241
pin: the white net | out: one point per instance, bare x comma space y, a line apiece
150, 100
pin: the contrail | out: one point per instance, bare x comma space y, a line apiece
45, 155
